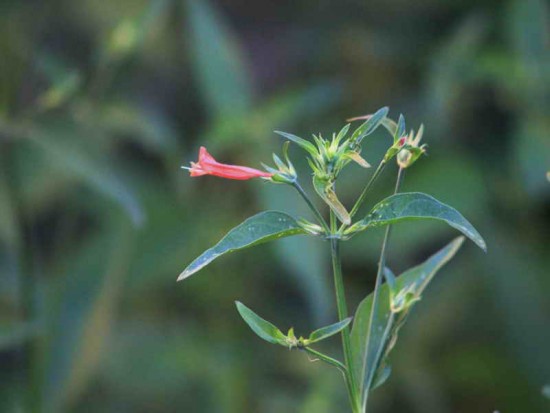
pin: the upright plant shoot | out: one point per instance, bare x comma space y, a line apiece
367, 338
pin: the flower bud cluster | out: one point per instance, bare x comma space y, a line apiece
411, 148
285, 173
332, 156
406, 147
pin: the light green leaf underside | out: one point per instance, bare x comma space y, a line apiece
328, 331
417, 205
263, 227
263, 328
370, 353
369, 126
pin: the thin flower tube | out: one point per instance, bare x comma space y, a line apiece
207, 165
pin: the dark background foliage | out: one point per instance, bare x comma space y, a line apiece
102, 101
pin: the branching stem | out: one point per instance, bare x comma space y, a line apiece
312, 206
341, 304
327, 359
367, 188
378, 283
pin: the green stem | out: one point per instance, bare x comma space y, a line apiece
366, 190
312, 206
343, 314
327, 359
378, 283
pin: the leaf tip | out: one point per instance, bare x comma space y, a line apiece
241, 308
480, 242
182, 276
483, 246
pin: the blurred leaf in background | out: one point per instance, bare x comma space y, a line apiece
101, 102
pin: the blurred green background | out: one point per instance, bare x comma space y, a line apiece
102, 101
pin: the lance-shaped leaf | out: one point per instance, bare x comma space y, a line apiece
325, 189
369, 126
302, 143
263, 328
263, 227
408, 206
371, 344
328, 331
218, 60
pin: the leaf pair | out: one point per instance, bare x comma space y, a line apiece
271, 225
270, 333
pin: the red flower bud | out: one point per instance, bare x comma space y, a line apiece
207, 165
402, 141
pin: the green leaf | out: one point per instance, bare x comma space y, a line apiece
72, 149
372, 344
263, 328
382, 375
328, 331
263, 227
81, 321
302, 143
369, 126
416, 205
325, 189
130, 33
217, 60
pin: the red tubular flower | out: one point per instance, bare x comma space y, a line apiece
207, 165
